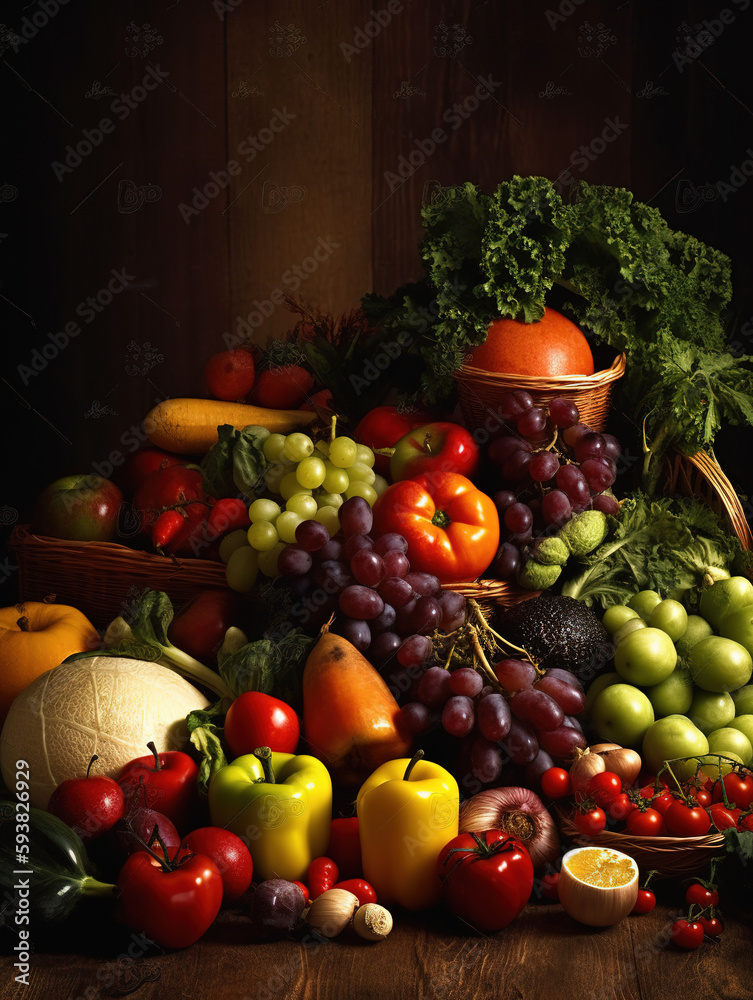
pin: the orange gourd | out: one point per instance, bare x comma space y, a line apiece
35, 637
350, 717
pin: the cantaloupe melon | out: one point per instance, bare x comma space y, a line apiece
108, 705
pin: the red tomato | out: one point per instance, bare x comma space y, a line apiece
175, 903
282, 387
739, 789
620, 807
451, 527
441, 446
712, 926
604, 788
745, 822
701, 795
722, 817
555, 783
199, 626
590, 822
172, 486
363, 890
702, 895
230, 374
256, 720
142, 463
383, 427
686, 821
687, 934
487, 878
645, 823
230, 855
645, 903
662, 802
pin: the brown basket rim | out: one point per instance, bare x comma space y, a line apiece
535, 382
710, 469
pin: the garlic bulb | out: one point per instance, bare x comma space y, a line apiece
598, 886
330, 913
372, 922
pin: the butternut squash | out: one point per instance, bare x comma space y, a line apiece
189, 426
351, 720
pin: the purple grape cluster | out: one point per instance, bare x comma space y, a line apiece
552, 466
528, 718
380, 605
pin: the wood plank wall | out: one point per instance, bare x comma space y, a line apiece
289, 148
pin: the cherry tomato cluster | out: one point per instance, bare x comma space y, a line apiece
701, 920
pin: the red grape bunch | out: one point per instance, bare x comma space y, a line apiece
382, 607
552, 466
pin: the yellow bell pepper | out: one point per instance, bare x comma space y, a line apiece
280, 805
407, 812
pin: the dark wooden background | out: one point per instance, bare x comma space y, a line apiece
326, 207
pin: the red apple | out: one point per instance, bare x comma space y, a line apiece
91, 805
166, 782
80, 508
442, 446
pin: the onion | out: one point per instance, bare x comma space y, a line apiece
277, 907
625, 763
519, 812
585, 765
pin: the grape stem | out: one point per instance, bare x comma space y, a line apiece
479, 618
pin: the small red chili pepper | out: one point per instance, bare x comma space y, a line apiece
360, 888
227, 514
321, 875
166, 528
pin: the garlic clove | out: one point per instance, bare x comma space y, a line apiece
330, 913
372, 922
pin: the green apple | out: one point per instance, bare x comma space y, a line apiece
745, 724
632, 625
711, 710
738, 625
729, 740
671, 617
719, 664
723, 597
669, 738
743, 699
596, 686
674, 695
645, 657
616, 616
644, 602
698, 628
621, 713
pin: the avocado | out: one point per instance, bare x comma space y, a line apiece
558, 631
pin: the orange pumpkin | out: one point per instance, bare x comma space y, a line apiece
35, 637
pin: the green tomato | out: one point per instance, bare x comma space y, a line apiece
671, 617
621, 713
616, 616
631, 625
730, 740
743, 699
698, 628
597, 686
645, 657
711, 710
745, 724
644, 602
724, 597
719, 664
738, 625
716, 767
673, 695
671, 737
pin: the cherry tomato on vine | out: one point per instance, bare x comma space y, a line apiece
722, 817
745, 822
739, 789
591, 822
555, 783
687, 934
620, 807
701, 895
604, 787
645, 823
701, 795
662, 801
645, 902
711, 926
682, 820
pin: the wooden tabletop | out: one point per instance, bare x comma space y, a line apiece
542, 954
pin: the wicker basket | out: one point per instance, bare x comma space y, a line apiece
700, 475
479, 392
670, 857
491, 594
102, 578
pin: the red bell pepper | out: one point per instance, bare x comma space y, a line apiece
451, 527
